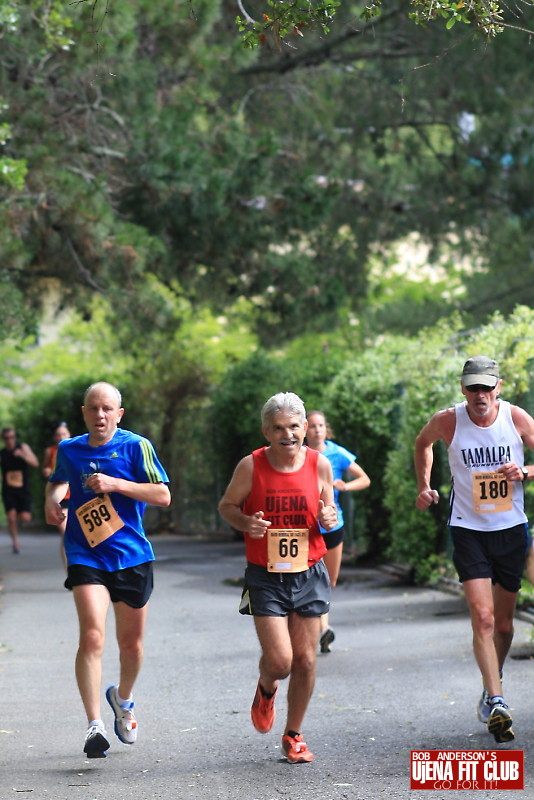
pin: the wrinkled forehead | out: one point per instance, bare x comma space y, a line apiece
285, 419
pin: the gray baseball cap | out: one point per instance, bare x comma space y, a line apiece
481, 371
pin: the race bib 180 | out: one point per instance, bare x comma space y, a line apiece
491, 493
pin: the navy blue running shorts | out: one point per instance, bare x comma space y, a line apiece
499, 555
132, 585
278, 594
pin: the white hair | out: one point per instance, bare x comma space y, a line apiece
283, 401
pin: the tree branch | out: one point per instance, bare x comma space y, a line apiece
83, 270
322, 52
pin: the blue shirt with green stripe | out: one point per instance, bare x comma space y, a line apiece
129, 456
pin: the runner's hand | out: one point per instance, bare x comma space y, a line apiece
426, 498
100, 483
54, 514
327, 516
258, 526
511, 471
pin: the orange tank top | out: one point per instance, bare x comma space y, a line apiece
288, 500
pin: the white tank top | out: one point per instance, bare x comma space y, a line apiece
480, 499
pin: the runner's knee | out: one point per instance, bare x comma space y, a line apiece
92, 641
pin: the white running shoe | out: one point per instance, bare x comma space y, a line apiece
484, 707
125, 722
96, 742
500, 722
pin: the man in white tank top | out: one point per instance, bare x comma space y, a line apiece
485, 437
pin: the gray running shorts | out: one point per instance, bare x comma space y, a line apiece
277, 594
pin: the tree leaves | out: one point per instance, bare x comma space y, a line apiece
283, 19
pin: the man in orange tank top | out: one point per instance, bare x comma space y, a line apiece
278, 495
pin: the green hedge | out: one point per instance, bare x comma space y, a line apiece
376, 401
382, 399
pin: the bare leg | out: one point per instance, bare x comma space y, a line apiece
92, 603
492, 624
12, 528
304, 633
61, 529
277, 652
130, 627
504, 603
288, 648
332, 560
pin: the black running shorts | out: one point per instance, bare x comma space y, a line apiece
17, 498
499, 555
333, 538
132, 585
277, 594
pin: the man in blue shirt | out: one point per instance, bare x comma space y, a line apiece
112, 475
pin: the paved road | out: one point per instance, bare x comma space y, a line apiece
401, 677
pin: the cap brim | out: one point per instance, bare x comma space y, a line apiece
479, 380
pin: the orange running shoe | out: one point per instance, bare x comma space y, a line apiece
262, 711
296, 749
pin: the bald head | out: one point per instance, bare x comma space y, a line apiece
102, 412
98, 386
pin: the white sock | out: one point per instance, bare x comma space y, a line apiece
497, 698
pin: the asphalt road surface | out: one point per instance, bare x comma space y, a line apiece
400, 676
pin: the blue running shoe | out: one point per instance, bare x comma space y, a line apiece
125, 722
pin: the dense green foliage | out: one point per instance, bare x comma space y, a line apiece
154, 143
385, 397
206, 224
377, 403
305, 367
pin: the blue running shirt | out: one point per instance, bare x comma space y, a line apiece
126, 456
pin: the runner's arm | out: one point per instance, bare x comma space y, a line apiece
360, 479
438, 427
524, 425
327, 513
48, 462
28, 455
155, 494
235, 495
54, 493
